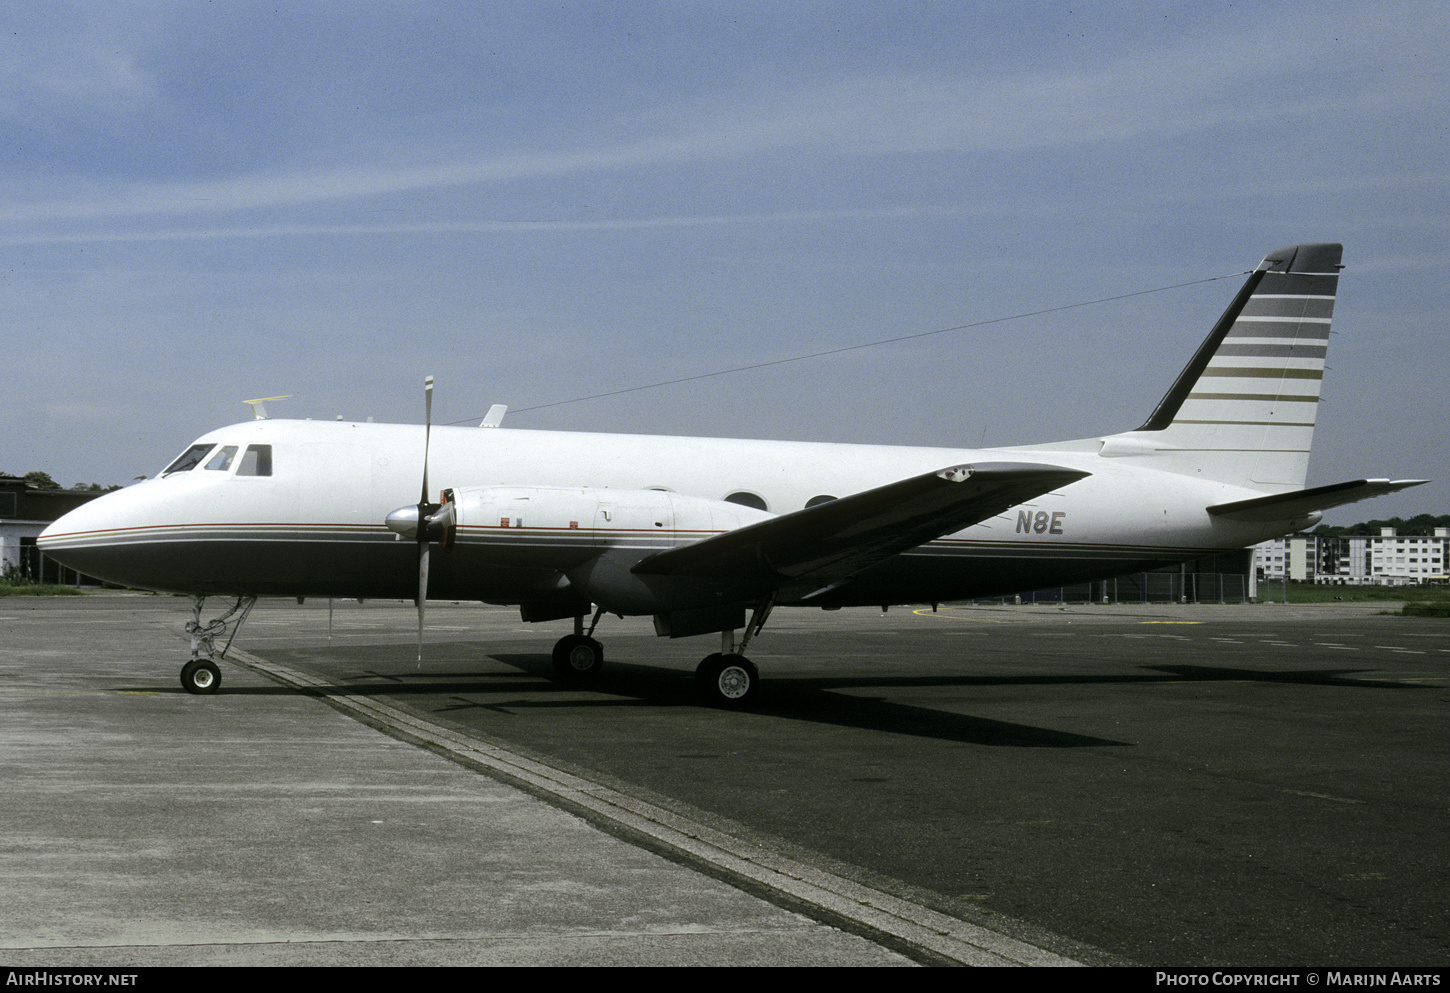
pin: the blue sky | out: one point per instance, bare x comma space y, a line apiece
204, 203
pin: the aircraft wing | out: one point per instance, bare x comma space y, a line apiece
1301, 503
831, 542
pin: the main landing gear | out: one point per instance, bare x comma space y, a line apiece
200, 674
723, 679
727, 678
578, 654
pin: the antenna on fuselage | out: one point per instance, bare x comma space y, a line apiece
259, 408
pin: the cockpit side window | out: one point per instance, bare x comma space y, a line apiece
222, 460
190, 460
256, 461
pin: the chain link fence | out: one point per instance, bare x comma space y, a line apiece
1143, 587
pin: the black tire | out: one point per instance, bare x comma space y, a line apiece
200, 676
577, 656
727, 681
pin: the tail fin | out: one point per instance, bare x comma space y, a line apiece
1243, 410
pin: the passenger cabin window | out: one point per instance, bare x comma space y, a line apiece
222, 460
747, 500
256, 461
190, 460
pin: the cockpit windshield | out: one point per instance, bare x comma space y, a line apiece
190, 460
222, 460
256, 460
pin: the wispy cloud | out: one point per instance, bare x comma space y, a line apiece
465, 227
1167, 90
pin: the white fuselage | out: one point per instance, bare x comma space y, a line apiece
314, 526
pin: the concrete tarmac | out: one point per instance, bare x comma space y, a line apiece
142, 826
1165, 785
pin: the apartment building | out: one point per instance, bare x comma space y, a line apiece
1386, 559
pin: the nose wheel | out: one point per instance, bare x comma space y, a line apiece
200, 676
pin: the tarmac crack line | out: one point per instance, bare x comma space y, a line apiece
874, 910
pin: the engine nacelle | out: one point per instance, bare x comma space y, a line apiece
594, 535
611, 514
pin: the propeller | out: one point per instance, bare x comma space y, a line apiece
427, 522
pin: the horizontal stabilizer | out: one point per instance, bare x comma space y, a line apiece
834, 541
1302, 503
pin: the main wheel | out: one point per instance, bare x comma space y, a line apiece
200, 676
576, 655
727, 680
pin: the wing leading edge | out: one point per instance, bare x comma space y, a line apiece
822, 547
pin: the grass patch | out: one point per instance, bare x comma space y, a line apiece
1319, 593
25, 588
1441, 609
13, 583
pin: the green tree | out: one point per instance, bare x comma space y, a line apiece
41, 480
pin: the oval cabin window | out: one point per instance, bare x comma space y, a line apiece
747, 500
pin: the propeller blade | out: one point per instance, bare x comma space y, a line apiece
422, 593
427, 434
424, 510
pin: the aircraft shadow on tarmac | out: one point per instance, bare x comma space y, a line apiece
1315, 677
793, 698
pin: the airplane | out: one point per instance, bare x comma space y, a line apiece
697, 532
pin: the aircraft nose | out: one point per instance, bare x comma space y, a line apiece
94, 538
72, 538
75, 522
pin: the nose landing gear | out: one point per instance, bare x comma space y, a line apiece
200, 675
